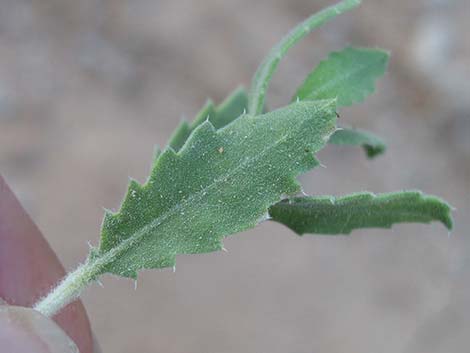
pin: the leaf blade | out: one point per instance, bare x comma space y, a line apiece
196, 197
349, 75
329, 215
231, 108
265, 71
372, 144
236, 103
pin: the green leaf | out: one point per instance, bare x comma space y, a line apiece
372, 144
269, 65
230, 109
348, 75
221, 182
330, 215
234, 105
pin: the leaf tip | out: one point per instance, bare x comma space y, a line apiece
441, 209
373, 151
447, 219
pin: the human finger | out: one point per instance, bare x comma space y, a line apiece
29, 268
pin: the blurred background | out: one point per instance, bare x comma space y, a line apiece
87, 88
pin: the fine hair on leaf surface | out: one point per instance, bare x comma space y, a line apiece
235, 165
221, 182
197, 196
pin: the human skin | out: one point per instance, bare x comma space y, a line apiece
28, 270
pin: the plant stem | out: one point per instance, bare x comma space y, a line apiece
265, 71
69, 288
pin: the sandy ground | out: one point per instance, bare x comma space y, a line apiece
87, 88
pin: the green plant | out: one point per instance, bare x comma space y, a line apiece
235, 165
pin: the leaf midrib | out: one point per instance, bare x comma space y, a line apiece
139, 235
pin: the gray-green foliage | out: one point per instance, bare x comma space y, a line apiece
217, 178
227, 171
265, 71
230, 109
236, 103
348, 75
331, 215
372, 144
221, 182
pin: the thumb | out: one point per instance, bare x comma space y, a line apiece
24, 330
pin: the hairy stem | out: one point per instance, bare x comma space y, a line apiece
69, 288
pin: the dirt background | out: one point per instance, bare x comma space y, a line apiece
87, 88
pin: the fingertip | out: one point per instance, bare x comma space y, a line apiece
24, 330
29, 268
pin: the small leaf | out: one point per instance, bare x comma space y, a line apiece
265, 71
372, 144
230, 109
221, 182
330, 215
348, 75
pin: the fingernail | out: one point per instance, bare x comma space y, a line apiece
24, 330
29, 269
